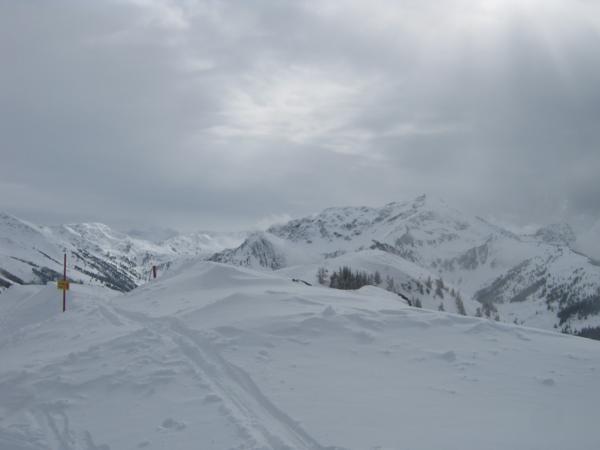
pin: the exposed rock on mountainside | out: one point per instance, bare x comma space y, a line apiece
257, 250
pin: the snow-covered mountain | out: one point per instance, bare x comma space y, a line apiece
537, 280
214, 356
417, 231
427, 252
96, 253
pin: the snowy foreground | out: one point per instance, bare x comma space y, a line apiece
219, 357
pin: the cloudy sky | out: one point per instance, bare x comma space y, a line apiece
232, 113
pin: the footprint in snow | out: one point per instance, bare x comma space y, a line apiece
443, 389
364, 338
470, 379
521, 336
170, 424
328, 312
263, 356
547, 381
448, 356
212, 398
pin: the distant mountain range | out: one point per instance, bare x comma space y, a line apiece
96, 253
537, 280
427, 252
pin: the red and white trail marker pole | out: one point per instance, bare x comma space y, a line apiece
64, 288
64, 284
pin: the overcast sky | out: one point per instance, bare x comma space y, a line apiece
227, 114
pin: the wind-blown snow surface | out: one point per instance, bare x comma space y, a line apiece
223, 357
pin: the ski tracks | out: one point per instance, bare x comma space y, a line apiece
263, 425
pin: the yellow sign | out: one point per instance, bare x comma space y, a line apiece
63, 284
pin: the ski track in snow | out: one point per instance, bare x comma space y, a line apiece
263, 424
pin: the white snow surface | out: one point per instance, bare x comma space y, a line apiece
213, 356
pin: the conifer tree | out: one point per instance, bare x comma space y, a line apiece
460, 306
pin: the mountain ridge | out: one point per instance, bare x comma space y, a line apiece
533, 279
424, 250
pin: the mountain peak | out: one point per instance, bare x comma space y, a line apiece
423, 201
13, 222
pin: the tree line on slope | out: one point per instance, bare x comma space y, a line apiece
348, 279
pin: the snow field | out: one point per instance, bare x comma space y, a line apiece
215, 356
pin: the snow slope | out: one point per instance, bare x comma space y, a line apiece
214, 356
410, 279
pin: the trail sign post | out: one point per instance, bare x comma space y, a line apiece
64, 284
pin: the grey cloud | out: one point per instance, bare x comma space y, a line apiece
218, 114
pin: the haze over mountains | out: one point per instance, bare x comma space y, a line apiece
432, 253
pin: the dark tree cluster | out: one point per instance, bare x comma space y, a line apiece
346, 278
322, 275
460, 306
581, 309
488, 310
439, 288
590, 332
